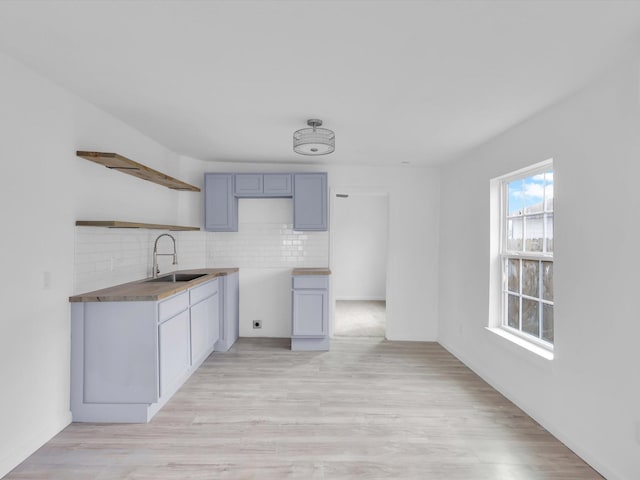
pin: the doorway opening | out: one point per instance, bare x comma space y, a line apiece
359, 231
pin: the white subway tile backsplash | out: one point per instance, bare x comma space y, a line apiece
106, 257
267, 245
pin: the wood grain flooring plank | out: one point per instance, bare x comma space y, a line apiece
367, 409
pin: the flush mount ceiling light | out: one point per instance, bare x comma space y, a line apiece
314, 140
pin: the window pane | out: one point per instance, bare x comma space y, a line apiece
513, 312
531, 278
514, 275
549, 237
533, 193
530, 317
547, 280
547, 322
515, 205
514, 235
534, 233
527, 231
548, 191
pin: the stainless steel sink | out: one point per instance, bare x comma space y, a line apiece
176, 277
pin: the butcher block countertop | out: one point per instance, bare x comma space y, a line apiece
143, 290
311, 271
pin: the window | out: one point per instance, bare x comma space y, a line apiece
526, 252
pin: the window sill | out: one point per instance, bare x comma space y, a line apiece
521, 342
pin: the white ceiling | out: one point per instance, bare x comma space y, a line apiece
416, 81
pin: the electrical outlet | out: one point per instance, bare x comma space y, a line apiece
257, 324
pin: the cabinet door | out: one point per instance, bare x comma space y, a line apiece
220, 205
120, 356
310, 313
248, 184
173, 339
204, 328
232, 308
277, 185
213, 331
310, 201
229, 298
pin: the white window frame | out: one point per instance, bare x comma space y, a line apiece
505, 255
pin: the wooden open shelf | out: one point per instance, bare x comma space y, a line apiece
115, 161
118, 224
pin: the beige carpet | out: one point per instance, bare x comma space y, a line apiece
359, 318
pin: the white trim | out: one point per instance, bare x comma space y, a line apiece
501, 322
502, 332
361, 299
534, 169
377, 191
545, 257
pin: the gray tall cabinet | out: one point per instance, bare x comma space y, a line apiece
310, 202
221, 205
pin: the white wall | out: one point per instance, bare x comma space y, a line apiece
589, 394
265, 249
412, 288
45, 189
359, 231
412, 263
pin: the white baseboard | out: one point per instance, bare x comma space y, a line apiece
586, 455
11, 459
361, 299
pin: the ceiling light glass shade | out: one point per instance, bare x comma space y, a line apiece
314, 140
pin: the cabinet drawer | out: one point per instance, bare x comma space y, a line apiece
172, 306
203, 291
311, 281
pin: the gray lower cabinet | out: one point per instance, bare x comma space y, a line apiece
220, 204
310, 202
205, 313
128, 358
229, 329
310, 312
174, 356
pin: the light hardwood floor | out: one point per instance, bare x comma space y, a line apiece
360, 318
368, 409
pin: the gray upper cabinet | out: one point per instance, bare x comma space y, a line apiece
220, 204
309, 192
277, 184
310, 202
263, 185
248, 184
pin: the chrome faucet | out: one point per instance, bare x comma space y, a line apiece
155, 268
